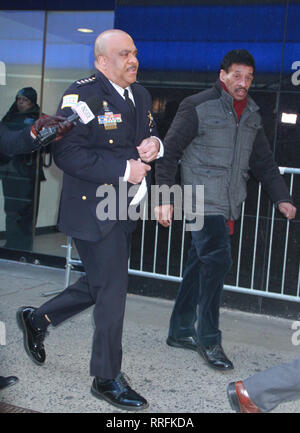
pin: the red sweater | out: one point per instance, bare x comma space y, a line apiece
239, 107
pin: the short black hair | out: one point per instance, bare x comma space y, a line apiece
241, 57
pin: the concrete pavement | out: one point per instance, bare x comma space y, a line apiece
172, 380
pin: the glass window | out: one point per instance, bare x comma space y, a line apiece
288, 115
36, 69
21, 54
188, 42
69, 57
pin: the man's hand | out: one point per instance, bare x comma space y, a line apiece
164, 214
288, 210
63, 126
148, 149
138, 170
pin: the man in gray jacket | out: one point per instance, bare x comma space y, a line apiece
218, 136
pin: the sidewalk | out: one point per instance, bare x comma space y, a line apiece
172, 380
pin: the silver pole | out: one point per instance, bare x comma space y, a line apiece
240, 245
255, 239
155, 246
182, 245
270, 249
169, 247
286, 240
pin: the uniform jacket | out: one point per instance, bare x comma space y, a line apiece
92, 155
217, 151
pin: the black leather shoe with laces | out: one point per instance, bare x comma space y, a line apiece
118, 393
33, 338
183, 342
215, 357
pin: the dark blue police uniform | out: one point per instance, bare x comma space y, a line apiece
92, 155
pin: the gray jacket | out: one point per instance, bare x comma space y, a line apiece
217, 151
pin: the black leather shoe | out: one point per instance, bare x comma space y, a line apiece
215, 357
33, 338
7, 381
118, 393
183, 342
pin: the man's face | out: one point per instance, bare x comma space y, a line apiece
120, 63
23, 103
238, 80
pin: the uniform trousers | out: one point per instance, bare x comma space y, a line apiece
200, 292
104, 286
268, 388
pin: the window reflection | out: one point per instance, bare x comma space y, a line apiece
21, 176
69, 57
21, 53
30, 185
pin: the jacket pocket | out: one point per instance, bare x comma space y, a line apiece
249, 131
215, 183
215, 122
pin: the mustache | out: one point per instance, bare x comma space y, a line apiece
241, 88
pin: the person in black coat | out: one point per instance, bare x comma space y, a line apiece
19, 173
101, 158
21, 142
16, 142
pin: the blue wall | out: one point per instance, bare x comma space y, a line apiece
195, 38
169, 38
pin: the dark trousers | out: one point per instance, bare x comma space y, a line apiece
199, 295
105, 287
18, 194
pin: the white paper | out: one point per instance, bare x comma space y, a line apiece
140, 194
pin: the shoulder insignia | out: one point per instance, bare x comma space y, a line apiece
90, 79
69, 100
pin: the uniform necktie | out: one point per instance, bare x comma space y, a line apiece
130, 103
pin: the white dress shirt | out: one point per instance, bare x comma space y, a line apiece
120, 90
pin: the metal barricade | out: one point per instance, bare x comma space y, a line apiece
257, 286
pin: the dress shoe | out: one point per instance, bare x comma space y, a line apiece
33, 337
215, 357
183, 342
7, 381
239, 398
118, 393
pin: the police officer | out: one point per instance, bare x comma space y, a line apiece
112, 150
19, 142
